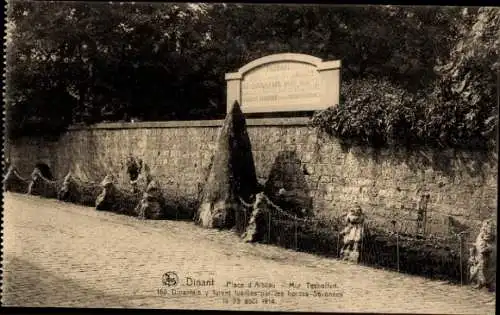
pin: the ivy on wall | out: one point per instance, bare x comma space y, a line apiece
376, 113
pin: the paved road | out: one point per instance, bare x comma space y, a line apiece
59, 254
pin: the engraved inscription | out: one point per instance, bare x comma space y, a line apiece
281, 84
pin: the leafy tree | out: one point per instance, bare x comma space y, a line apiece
102, 61
458, 111
469, 78
405, 46
74, 62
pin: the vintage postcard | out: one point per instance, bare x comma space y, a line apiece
212, 156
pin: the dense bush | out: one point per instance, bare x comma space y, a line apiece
378, 113
372, 111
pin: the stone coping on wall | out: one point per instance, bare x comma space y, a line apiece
292, 121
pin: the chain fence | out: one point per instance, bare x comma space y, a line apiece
433, 256
15, 182
43, 186
78, 191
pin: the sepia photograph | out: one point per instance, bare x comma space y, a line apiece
250, 157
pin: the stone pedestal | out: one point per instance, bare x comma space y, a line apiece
152, 203
482, 258
353, 235
106, 198
14, 182
256, 229
42, 186
77, 191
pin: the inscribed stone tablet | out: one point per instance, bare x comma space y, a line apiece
284, 82
274, 87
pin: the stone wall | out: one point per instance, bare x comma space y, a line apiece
386, 183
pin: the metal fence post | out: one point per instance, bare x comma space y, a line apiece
245, 223
338, 239
295, 228
361, 243
269, 228
397, 243
461, 254
397, 248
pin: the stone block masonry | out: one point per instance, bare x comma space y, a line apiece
387, 184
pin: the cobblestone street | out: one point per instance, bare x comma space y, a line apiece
60, 254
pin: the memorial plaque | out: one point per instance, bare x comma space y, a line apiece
285, 82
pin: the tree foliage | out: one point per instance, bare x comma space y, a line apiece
82, 62
88, 62
459, 110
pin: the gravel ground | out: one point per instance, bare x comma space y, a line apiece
60, 254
